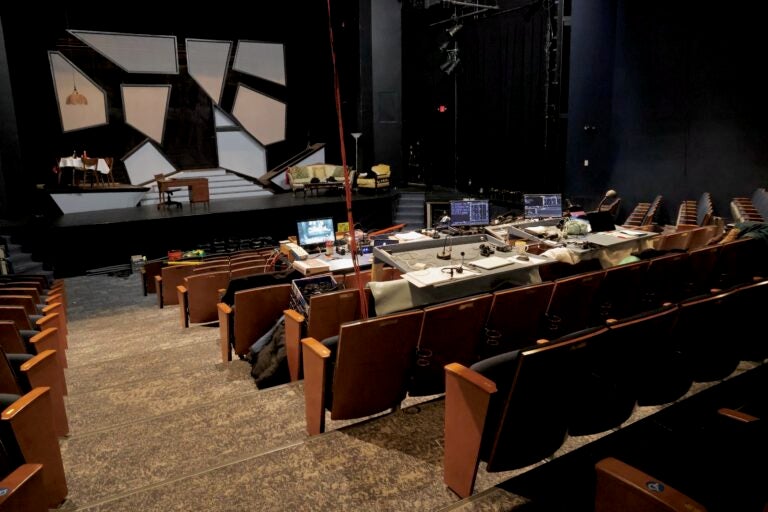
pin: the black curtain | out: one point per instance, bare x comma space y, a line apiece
500, 92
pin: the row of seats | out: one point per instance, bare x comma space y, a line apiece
751, 209
32, 389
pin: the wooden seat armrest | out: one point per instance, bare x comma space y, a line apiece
737, 415
32, 423
315, 357
294, 331
226, 330
58, 308
183, 295
467, 394
623, 487
48, 339
24, 489
159, 290
51, 321
43, 370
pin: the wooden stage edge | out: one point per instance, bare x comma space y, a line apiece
77, 243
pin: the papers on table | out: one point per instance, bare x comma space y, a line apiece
436, 275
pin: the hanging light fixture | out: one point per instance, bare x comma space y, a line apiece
76, 98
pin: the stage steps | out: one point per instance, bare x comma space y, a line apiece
222, 184
410, 209
15, 260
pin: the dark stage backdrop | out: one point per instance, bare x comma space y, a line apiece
494, 98
189, 139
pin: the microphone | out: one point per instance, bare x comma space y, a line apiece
460, 268
445, 254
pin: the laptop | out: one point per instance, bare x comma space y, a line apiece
600, 221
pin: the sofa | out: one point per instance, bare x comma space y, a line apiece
300, 175
377, 179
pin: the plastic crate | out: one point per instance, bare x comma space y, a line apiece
303, 289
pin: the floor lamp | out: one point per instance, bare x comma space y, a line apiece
356, 135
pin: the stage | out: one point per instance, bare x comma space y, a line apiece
78, 243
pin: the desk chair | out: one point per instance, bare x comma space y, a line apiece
168, 202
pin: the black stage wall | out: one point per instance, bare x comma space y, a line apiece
77, 243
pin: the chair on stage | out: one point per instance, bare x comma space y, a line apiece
162, 188
362, 372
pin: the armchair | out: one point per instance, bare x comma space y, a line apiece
300, 175
379, 181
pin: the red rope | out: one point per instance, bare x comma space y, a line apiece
347, 185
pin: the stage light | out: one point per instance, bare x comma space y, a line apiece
449, 65
454, 29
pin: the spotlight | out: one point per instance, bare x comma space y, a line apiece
449, 66
454, 29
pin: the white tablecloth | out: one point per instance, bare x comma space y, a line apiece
77, 163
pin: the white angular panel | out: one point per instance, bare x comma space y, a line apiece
222, 120
263, 60
239, 152
134, 53
207, 63
144, 161
145, 108
90, 108
262, 116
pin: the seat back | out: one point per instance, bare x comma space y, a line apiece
700, 237
329, 310
665, 279
517, 314
651, 366
700, 271
203, 292
451, 333
373, 362
749, 302
679, 240
18, 316
256, 310
619, 294
173, 276
572, 303
739, 261
24, 301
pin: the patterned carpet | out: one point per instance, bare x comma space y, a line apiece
157, 422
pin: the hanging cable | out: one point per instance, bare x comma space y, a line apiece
347, 184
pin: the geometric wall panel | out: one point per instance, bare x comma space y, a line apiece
82, 103
239, 152
134, 53
263, 60
222, 120
144, 161
207, 63
145, 108
262, 116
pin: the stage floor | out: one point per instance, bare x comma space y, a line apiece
76, 243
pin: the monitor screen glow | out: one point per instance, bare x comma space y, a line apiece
470, 212
542, 206
315, 232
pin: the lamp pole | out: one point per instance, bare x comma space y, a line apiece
356, 135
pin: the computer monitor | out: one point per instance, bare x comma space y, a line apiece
469, 212
313, 233
542, 206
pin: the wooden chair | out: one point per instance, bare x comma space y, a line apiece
626, 488
676, 241
170, 277
510, 410
652, 364
328, 312
14, 342
704, 330
199, 295
34, 310
665, 279
739, 262
30, 421
572, 303
364, 372
21, 372
25, 490
451, 332
700, 237
644, 214
19, 317
253, 312
696, 213
518, 315
700, 271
